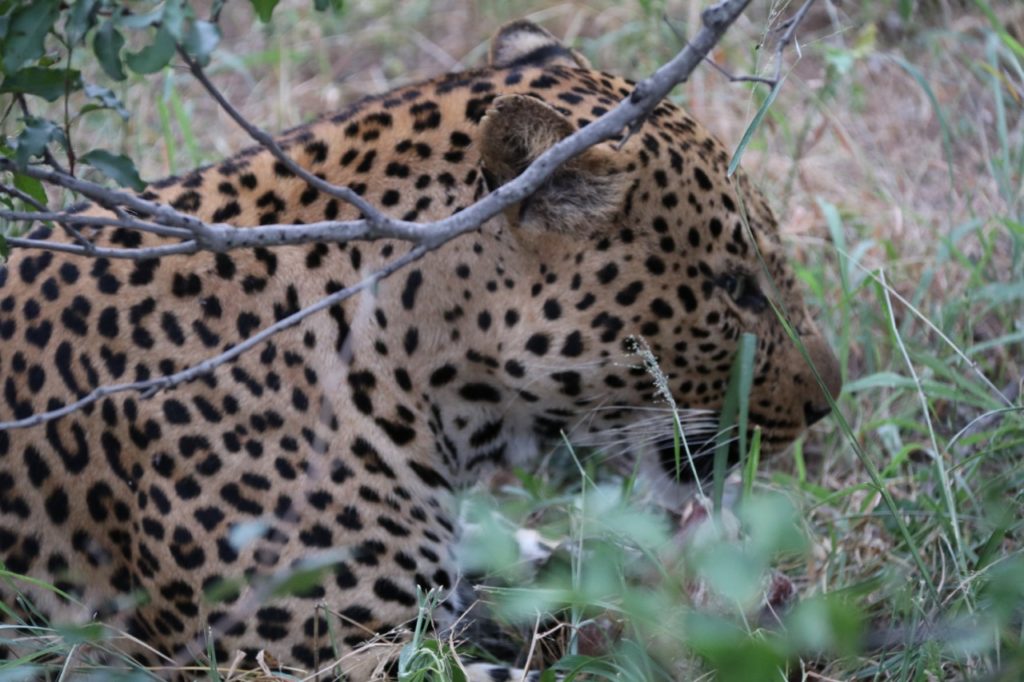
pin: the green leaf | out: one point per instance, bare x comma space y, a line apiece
997, 26
32, 141
117, 167
106, 98
826, 623
50, 84
264, 8
324, 5
748, 134
999, 292
308, 573
142, 20
107, 44
222, 590
81, 19
201, 39
153, 57
944, 127
734, 411
30, 186
26, 32
5, 250
80, 634
173, 19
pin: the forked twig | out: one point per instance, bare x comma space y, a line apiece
788, 37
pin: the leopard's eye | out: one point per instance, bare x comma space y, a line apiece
743, 290
734, 285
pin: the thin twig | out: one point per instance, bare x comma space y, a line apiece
934, 328
790, 25
89, 220
150, 387
936, 453
181, 248
84, 246
169, 218
770, 82
271, 145
52, 161
18, 194
70, 148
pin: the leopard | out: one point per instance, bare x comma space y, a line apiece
344, 440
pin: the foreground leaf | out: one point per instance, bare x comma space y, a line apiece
82, 18
30, 186
173, 18
154, 56
324, 5
33, 140
117, 167
264, 8
107, 44
50, 84
142, 20
26, 32
106, 98
201, 39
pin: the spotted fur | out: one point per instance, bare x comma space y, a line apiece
343, 439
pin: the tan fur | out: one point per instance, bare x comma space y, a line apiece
585, 190
518, 39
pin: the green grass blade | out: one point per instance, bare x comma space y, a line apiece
748, 134
170, 146
947, 138
1012, 43
734, 415
185, 126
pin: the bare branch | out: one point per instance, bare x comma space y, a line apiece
31, 201
84, 247
635, 107
182, 248
151, 387
270, 144
88, 220
168, 217
223, 237
791, 25
770, 82
32, 216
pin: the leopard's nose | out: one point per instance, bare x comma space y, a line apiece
814, 413
827, 367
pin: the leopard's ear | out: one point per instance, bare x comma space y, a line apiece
524, 43
583, 194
